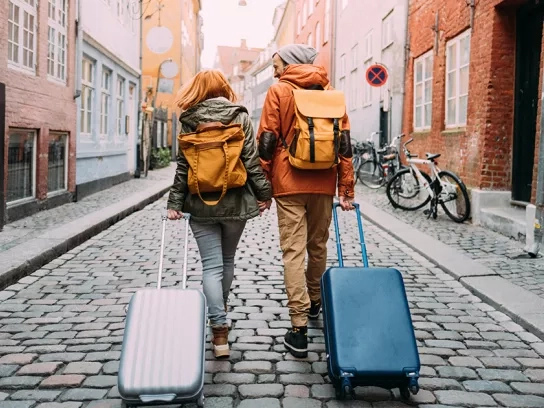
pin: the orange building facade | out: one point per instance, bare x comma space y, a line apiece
185, 52
314, 26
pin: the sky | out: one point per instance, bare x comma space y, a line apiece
226, 23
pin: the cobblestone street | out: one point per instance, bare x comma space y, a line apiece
487, 247
61, 327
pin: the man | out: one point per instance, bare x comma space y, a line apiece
304, 198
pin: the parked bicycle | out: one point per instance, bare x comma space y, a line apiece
382, 164
412, 184
361, 152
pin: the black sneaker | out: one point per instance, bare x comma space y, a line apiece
315, 309
296, 342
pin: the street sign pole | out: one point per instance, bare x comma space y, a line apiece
376, 76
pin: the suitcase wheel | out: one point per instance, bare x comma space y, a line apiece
344, 390
404, 393
200, 402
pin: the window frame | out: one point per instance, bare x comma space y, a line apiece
424, 81
456, 41
60, 52
387, 30
87, 86
120, 95
31, 11
105, 102
367, 89
66, 137
327, 23
32, 197
318, 40
354, 90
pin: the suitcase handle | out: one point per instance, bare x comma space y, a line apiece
335, 205
185, 249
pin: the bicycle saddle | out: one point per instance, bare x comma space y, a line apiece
432, 156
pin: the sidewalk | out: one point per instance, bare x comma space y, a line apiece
29, 243
482, 260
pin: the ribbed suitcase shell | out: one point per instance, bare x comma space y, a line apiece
368, 327
162, 358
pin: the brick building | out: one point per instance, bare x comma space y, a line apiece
473, 95
314, 26
37, 66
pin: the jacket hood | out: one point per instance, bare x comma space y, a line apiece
211, 110
305, 75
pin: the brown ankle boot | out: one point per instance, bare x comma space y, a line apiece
220, 341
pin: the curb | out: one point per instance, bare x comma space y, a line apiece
24, 259
522, 306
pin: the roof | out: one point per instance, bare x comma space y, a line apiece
229, 57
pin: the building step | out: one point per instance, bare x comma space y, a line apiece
508, 221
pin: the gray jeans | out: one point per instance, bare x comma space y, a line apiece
217, 244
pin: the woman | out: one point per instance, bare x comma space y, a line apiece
217, 229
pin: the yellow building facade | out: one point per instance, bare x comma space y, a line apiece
182, 19
286, 31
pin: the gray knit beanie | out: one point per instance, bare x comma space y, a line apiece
297, 54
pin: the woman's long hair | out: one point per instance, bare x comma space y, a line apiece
206, 84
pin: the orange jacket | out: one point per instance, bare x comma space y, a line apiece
278, 119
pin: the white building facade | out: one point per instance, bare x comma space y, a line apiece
371, 32
108, 77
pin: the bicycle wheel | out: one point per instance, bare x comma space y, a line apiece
356, 163
371, 174
405, 185
454, 196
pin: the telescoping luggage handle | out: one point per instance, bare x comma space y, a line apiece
185, 248
335, 205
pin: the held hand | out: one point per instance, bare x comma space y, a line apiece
174, 215
346, 203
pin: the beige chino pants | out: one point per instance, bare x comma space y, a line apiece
303, 221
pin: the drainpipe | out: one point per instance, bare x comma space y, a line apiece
79, 51
139, 140
405, 65
333, 42
539, 217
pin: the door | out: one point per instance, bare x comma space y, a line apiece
131, 125
528, 50
384, 127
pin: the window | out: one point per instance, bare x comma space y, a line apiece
305, 12
457, 67
105, 103
299, 23
311, 7
120, 104
57, 167
87, 96
367, 89
21, 165
310, 38
342, 71
344, 4
318, 36
22, 25
354, 57
327, 23
387, 30
368, 46
57, 35
354, 90
423, 87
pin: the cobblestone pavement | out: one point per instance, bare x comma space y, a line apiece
487, 247
61, 328
27, 228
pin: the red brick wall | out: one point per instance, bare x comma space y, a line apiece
324, 49
34, 102
480, 152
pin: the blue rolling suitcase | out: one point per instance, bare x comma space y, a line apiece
369, 336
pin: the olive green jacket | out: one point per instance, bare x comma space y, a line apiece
238, 203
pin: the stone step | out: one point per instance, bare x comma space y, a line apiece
508, 221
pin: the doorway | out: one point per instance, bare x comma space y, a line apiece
384, 127
528, 50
